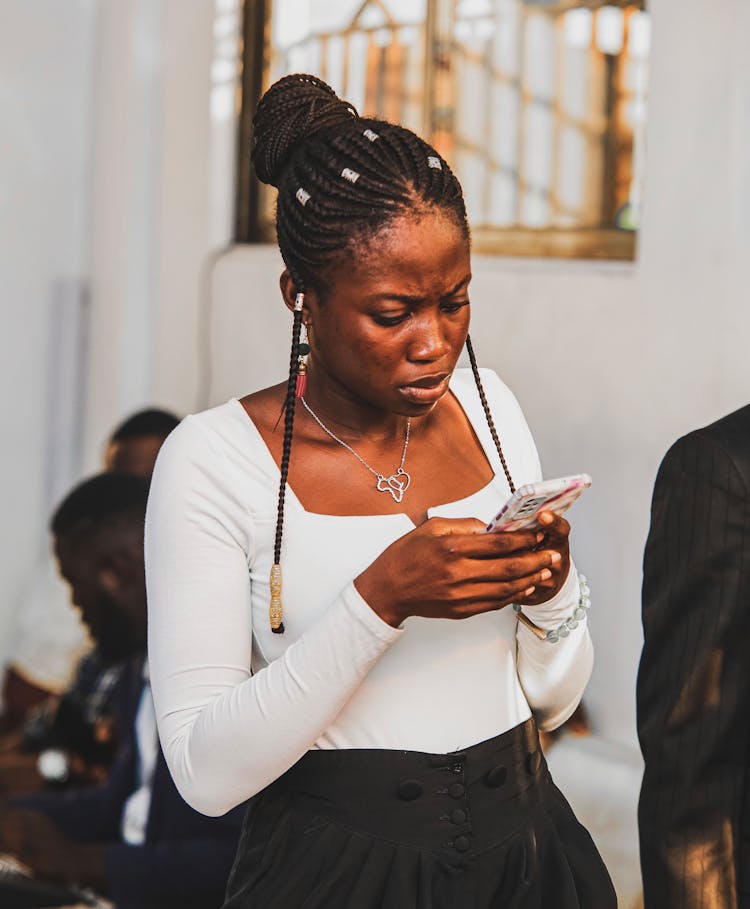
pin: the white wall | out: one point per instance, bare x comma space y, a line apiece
125, 148
163, 175
46, 77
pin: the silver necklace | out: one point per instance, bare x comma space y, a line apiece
397, 483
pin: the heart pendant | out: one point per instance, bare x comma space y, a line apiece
396, 484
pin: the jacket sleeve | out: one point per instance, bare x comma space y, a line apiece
693, 688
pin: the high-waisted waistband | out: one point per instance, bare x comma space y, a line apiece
463, 802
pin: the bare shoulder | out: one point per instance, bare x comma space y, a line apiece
264, 406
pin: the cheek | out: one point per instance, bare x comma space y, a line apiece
353, 346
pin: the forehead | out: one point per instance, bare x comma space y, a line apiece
73, 551
414, 254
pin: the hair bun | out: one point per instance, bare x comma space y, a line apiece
292, 110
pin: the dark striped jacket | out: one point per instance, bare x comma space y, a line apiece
694, 678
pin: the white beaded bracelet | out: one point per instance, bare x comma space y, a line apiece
573, 621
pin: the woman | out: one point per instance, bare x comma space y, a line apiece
391, 753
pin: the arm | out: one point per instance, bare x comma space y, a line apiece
91, 814
190, 872
554, 676
693, 690
226, 734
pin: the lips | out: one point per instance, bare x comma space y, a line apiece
425, 389
427, 381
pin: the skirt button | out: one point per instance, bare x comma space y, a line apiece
461, 843
497, 776
409, 790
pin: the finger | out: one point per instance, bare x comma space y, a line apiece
501, 595
447, 526
492, 545
508, 568
554, 525
502, 591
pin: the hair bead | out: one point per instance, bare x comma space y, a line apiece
274, 610
434, 163
351, 175
369, 134
303, 196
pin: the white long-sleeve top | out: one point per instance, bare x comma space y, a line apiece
237, 705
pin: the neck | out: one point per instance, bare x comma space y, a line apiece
347, 414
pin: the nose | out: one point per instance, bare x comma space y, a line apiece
429, 341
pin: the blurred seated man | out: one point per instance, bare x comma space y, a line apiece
133, 446
49, 639
76, 728
131, 838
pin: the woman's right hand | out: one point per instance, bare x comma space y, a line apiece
453, 569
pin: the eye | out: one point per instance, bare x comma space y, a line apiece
390, 321
452, 308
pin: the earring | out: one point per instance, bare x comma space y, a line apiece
303, 351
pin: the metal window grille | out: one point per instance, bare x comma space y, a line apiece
540, 106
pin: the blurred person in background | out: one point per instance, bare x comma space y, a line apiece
131, 838
693, 681
73, 732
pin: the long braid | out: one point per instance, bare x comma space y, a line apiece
487, 412
277, 626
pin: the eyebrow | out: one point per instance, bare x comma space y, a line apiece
410, 298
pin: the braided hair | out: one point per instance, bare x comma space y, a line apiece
341, 179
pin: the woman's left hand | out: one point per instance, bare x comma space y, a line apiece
556, 532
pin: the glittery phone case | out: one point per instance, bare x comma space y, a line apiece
522, 508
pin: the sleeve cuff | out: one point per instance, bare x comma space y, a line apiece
550, 614
359, 609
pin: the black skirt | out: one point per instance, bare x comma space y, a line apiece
484, 828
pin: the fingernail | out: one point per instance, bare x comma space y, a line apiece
555, 558
545, 518
527, 593
546, 574
539, 537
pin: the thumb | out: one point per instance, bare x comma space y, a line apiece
465, 526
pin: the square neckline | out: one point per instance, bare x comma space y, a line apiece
401, 515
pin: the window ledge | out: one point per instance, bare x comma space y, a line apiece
561, 243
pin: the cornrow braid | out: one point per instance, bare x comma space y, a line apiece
310, 145
487, 412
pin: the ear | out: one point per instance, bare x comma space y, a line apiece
288, 289
289, 295
117, 573
109, 578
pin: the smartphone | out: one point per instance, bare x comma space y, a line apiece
521, 511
